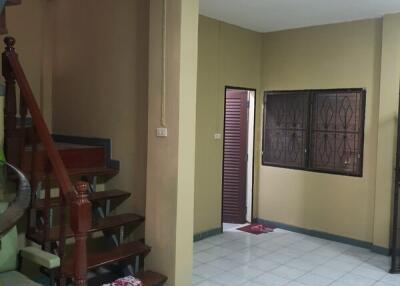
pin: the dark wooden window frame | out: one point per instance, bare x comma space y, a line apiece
310, 120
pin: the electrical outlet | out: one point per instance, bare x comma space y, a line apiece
162, 132
217, 136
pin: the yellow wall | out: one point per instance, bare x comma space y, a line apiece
26, 23
100, 83
228, 55
170, 160
332, 56
355, 54
388, 114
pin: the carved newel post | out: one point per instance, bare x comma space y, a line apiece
81, 219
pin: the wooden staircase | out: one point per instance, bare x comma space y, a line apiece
66, 208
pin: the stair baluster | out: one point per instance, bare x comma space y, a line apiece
33, 149
76, 196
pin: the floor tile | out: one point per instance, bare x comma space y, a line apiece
380, 283
207, 271
247, 271
241, 257
392, 279
196, 263
351, 258
218, 251
229, 278
255, 251
264, 265
328, 272
295, 283
369, 271
315, 258
287, 272
340, 265
205, 257
201, 245
286, 258
234, 245
209, 283
224, 263
278, 257
271, 280
301, 264
252, 283
196, 279
380, 261
314, 280
356, 280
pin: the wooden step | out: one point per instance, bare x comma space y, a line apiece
99, 171
150, 278
74, 156
106, 223
95, 197
75, 174
123, 252
13, 2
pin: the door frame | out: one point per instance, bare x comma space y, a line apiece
254, 150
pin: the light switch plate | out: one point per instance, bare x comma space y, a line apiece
162, 132
217, 136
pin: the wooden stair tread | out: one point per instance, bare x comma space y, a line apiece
13, 2
109, 222
96, 171
122, 252
94, 197
76, 172
150, 278
63, 146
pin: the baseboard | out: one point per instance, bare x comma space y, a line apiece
206, 234
380, 250
328, 236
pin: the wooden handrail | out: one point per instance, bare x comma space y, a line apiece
59, 169
75, 196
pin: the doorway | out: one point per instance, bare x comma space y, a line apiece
237, 182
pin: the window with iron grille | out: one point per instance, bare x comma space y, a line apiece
315, 130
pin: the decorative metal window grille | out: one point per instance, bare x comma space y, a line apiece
316, 130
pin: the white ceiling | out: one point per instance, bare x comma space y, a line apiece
274, 15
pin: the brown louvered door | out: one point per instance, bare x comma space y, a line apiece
235, 155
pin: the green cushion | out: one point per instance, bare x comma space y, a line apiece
40, 257
8, 246
15, 278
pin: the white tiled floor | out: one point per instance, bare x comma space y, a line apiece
286, 258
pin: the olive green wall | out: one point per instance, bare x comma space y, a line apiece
30, 46
333, 56
388, 114
355, 54
228, 55
100, 73
171, 159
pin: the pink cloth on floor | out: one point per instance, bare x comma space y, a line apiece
126, 281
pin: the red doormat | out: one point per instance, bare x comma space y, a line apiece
257, 228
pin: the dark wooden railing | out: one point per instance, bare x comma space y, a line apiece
18, 135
